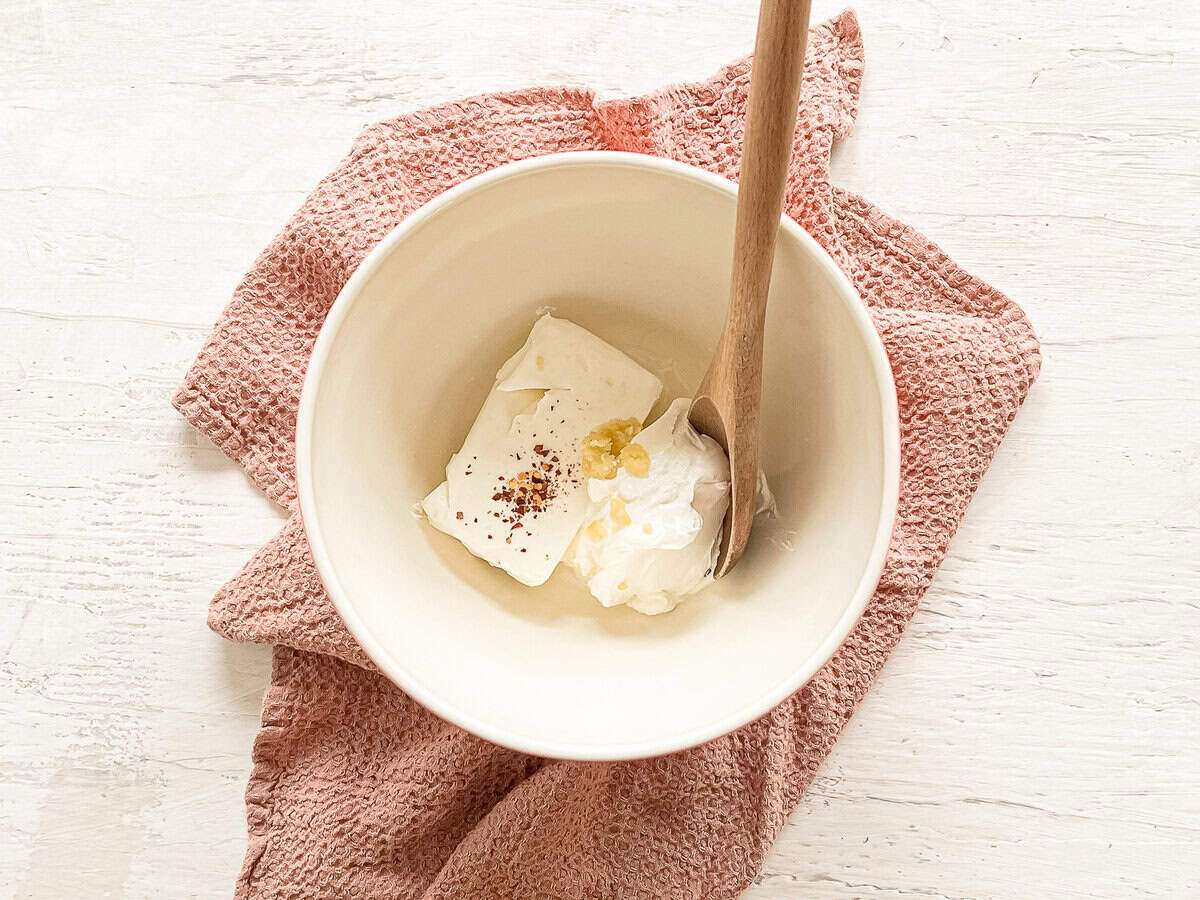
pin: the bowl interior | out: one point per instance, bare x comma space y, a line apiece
639, 253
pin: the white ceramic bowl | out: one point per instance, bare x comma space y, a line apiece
637, 250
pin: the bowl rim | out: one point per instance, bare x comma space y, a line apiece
395, 670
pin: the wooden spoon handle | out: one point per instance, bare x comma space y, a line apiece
770, 128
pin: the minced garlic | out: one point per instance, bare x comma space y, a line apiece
603, 446
619, 515
635, 459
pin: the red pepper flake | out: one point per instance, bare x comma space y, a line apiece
526, 494
458, 515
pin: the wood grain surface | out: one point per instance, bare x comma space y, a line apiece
1037, 732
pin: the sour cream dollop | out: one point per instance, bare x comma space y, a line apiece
650, 541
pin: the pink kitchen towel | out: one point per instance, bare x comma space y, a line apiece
357, 791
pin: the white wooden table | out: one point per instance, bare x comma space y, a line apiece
1036, 733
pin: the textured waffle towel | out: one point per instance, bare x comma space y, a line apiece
359, 792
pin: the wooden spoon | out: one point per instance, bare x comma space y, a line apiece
726, 405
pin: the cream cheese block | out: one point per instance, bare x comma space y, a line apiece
514, 494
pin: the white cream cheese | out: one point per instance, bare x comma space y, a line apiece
649, 541
514, 494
